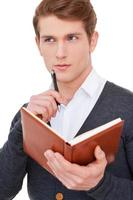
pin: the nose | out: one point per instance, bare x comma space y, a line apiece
61, 51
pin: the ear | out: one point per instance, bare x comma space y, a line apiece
93, 41
38, 44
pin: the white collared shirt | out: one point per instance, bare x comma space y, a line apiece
70, 118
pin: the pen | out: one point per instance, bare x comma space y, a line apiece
53, 75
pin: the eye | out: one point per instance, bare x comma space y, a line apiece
49, 40
72, 37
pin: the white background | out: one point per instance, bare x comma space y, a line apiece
22, 72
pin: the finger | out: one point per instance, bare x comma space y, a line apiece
58, 97
39, 111
49, 108
43, 114
99, 154
68, 179
35, 109
40, 98
45, 101
56, 163
71, 168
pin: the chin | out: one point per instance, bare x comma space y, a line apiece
64, 79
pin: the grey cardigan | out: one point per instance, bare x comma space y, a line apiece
117, 183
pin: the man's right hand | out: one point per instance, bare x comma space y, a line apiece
45, 104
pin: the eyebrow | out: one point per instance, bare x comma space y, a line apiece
69, 34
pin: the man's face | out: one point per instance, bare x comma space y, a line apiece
65, 48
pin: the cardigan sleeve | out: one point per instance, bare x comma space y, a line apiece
12, 162
114, 187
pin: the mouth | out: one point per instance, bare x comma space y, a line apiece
61, 67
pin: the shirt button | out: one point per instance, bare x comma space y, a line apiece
59, 196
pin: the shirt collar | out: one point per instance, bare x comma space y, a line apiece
92, 83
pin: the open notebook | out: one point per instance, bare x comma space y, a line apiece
38, 136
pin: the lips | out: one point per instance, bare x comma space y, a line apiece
61, 67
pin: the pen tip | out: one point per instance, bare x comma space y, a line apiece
52, 71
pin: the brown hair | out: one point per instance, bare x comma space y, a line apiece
68, 10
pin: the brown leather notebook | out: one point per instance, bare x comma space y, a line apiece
38, 137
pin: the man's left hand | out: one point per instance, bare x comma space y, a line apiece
76, 177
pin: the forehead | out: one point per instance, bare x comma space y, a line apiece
51, 25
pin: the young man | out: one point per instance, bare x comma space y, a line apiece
66, 37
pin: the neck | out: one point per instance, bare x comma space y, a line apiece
68, 89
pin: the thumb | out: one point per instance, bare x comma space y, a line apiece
99, 154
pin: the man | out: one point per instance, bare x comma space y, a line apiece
66, 37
